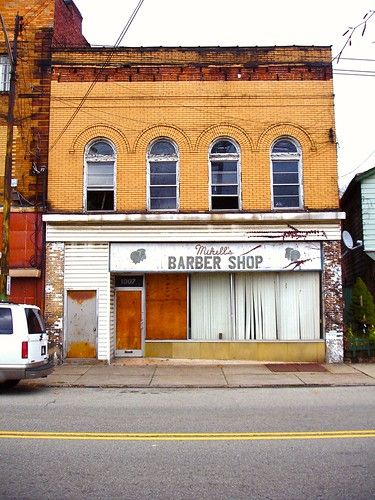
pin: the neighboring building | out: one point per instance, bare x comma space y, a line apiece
193, 207
42, 26
358, 202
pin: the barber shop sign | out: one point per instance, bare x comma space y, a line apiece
215, 257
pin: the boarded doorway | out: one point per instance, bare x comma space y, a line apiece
81, 329
129, 323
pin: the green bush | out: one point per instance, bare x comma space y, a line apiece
362, 310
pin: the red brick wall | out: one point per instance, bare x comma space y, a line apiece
68, 26
147, 64
174, 74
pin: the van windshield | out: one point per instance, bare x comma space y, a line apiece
34, 321
6, 323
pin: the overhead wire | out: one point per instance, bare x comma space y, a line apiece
358, 166
38, 10
101, 69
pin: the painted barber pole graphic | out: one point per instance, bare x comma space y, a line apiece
215, 257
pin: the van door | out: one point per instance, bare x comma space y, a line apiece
37, 337
10, 349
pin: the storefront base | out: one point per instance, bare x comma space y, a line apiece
309, 352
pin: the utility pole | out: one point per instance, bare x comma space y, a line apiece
4, 261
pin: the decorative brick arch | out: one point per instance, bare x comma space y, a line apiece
285, 130
101, 131
224, 130
167, 131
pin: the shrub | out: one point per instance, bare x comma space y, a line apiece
362, 309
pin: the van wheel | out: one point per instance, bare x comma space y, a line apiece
8, 384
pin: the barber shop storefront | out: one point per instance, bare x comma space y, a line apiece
259, 300
208, 292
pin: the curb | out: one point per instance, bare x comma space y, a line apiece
191, 386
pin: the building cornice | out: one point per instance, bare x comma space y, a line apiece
197, 218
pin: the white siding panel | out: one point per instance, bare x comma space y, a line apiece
87, 267
368, 212
123, 233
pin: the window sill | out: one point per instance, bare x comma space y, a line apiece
289, 209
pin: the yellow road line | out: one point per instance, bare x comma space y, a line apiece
188, 436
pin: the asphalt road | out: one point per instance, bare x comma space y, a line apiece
278, 443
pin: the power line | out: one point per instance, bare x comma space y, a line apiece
107, 61
356, 59
358, 166
339, 73
355, 70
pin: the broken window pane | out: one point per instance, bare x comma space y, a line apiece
100, 200
224, 163
100, 176
100, 148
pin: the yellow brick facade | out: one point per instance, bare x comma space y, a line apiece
193, 114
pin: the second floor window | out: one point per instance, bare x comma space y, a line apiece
286, 174
224, 173
162, 176
100, 176
4, 74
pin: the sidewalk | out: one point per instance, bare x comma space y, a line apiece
140, 373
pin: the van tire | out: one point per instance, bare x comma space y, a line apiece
8, 384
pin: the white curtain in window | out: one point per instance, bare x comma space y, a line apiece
265, 306
271, 306
298, 311
255, 302
210, 309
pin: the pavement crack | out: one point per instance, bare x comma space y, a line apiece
152, 377
225, 378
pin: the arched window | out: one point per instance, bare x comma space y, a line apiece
286, 160
100, 162
162, 175
224, 175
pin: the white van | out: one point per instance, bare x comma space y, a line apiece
23, 344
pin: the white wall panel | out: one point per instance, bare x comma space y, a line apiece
130, 233
86, 268
368, 212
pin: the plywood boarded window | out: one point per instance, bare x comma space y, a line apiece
166, 307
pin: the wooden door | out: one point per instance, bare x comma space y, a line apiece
81, 329
128, 322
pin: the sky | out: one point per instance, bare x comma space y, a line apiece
264, 23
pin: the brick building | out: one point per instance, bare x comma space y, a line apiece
193, 207
43, 25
